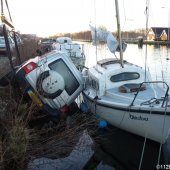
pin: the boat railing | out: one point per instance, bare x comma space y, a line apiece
153, 82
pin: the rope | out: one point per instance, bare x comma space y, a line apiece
152, 101
159, 155
143, 150
144, 144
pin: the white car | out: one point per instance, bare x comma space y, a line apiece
3, 45
51, 80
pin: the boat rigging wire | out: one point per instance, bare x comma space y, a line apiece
158, 45
125, 20
144, 144
147, 19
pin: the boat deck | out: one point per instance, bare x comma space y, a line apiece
119, 98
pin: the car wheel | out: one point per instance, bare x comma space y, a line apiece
50, 84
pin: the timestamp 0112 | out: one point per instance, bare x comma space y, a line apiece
162, 167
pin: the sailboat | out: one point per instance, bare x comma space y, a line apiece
124, 95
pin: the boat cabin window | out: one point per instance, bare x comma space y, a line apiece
124, 76
93, 83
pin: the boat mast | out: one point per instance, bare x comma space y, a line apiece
119, 32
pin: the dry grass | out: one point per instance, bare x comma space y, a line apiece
28, 49
60, 140
23, 134
20, 142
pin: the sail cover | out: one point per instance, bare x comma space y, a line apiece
100, 35
112, 42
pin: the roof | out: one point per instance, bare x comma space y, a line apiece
158, 30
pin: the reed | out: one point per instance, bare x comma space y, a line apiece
28, 48
25, 135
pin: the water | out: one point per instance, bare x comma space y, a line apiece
121, 149
158, 58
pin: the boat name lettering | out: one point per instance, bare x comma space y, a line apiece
138, 117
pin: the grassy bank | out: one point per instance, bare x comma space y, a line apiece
27, 133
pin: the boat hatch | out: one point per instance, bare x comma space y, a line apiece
132, 87
108, 61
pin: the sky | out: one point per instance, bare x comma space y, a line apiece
48, 17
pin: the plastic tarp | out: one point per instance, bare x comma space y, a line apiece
112, 43
105, 36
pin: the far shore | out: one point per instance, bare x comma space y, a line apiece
135, 41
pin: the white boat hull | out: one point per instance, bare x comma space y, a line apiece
152, 124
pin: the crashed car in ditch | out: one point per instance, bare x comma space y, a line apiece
52, 81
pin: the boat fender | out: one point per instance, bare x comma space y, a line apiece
50, 84
102, 124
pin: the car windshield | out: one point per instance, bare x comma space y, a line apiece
71, 83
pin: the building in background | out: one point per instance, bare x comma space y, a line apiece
159, 34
